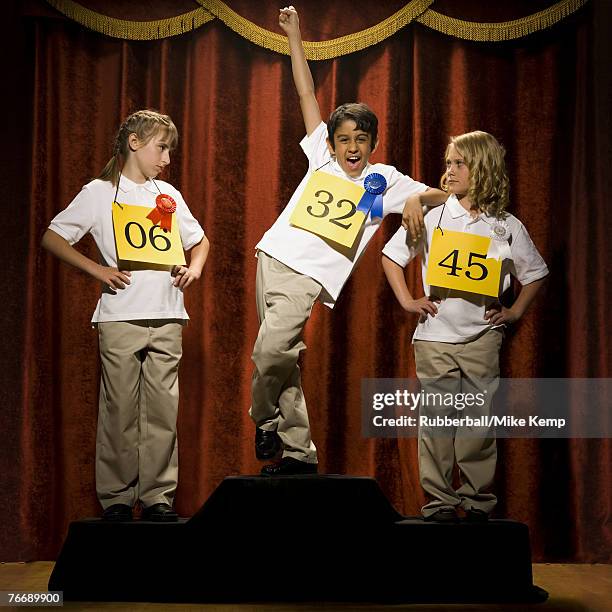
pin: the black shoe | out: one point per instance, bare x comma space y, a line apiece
117, 513
444, 515
474, 515
288, 466
160, 513
267, 443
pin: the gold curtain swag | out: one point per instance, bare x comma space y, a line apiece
322, 50
415, 10
503, 30
132, 30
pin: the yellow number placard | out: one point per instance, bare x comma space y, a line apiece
137, 239
328, 208
458, 260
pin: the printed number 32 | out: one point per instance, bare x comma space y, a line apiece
325, 212
453, 267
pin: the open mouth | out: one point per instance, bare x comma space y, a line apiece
353, 162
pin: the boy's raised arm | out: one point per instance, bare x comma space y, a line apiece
302, 77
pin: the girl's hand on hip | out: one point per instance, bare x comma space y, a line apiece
498, 315
183, 276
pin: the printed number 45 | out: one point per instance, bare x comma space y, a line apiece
453, 267
325, 203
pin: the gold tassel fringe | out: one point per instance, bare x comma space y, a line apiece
415, 10
132, 30
322, 50
505, 30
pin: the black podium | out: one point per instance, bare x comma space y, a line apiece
296, 538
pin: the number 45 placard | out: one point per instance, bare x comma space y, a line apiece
458, 260
137, 239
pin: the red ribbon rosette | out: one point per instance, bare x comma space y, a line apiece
162, 213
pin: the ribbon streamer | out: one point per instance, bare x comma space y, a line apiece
162, 213
371, 201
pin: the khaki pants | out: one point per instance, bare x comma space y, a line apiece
136, 446
470, 367
284, 302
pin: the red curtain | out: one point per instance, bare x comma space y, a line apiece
546, 97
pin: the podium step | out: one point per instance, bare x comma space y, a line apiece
296, 538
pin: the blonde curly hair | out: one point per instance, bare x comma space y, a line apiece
145, 124
489, 188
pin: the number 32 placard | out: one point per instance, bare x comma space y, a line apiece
137, 239
328, 208
458, 260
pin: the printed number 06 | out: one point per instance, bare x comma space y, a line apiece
153, 239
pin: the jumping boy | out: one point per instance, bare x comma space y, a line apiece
310, 252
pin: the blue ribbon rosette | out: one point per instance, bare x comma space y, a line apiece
371, 201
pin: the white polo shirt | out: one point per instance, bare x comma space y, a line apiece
150, 294
309, 254
460, 315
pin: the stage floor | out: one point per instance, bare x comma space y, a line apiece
572, 588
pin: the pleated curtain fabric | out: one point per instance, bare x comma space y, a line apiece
545, 97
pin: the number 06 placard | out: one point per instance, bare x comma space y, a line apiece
137, 239
458, 260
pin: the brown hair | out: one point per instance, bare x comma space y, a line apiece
145, 124
489, 188
360, 113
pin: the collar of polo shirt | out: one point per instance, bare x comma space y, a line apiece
126, 185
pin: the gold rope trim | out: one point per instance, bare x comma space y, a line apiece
505, 30
320, 50
132, 30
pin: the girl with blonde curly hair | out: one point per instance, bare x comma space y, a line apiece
461, 323
488, 187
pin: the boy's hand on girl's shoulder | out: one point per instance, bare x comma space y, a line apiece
423, 306
112, 277
412, 217
183, 276
498, 314
288, 20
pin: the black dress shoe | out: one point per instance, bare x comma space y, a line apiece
117, 513
288, 466
444, 515
474, 515
267, 443
160, 513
